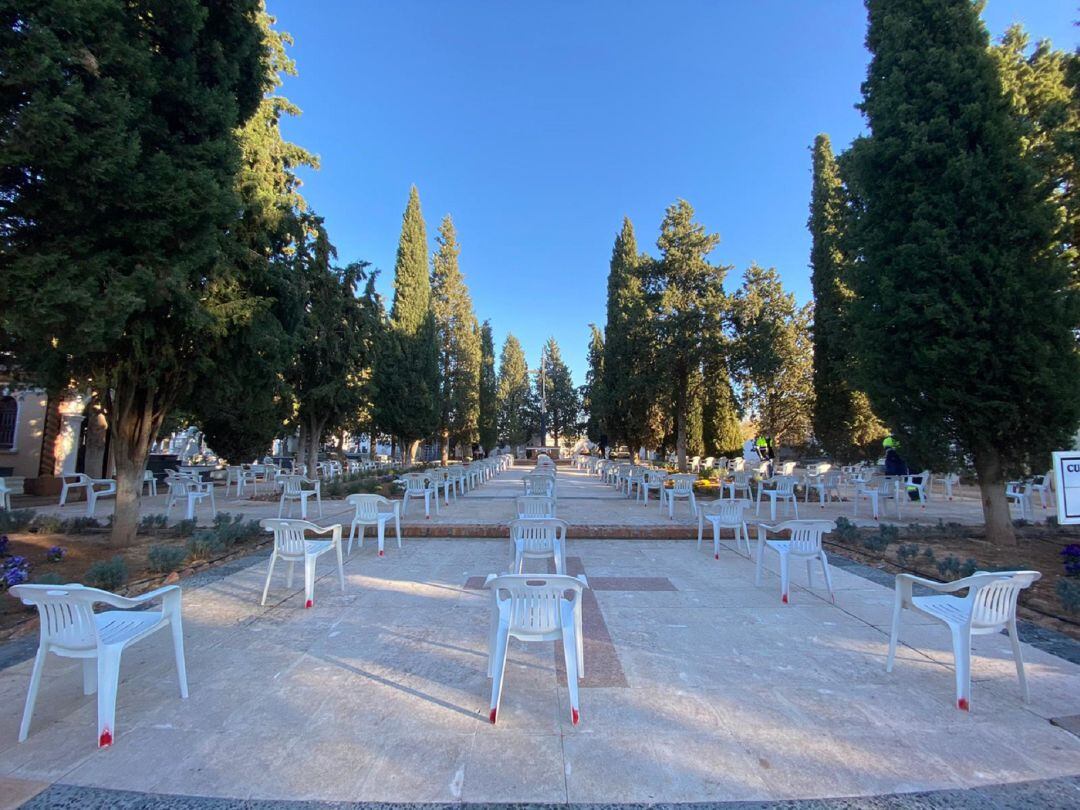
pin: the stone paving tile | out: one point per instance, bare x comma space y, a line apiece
380, 694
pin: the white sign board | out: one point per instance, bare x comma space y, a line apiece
1067, 484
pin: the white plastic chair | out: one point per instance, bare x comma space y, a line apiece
95, 488
804, 543
682, 486
531, 607
740, 482
539, 484
1041, 484
1019, 493
150, 480
292, 491
538, 539
695, 464
233, 474
654, 480
827, 486
920, 483
419, 485
440, 479
70, 629
5, 495
783, 490
876, 489
947, 481
188, 491
368, 513
989, 607
533, 507
291, 545
724, 515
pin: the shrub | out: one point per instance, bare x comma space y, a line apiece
151, 522
969, 567
49, 578
846, 531
55, 554
1068, 591
1052, 520
166, 559
15, 571
109, 575
79, 525
203, 545
907, 552
949, 567
184, 528
16, 520
928, 554
880, 540
48, 524
1071, 557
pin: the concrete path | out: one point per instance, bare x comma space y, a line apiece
379, 694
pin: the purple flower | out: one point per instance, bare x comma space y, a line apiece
1071, 557
4, 545
16, 571
55, 554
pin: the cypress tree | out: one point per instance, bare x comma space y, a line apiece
563, 404
721, 428
964, 315
407, 378
118, 167
489, 391
844, 424
515, 393
459, 344
631, 388
594, 395
689, 300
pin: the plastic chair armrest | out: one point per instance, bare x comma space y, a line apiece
163, 593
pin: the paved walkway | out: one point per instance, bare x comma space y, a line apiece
379, 694
584, 501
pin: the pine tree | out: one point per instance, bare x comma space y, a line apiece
594, 395
515, 393
844, 424
964, 315
118, 167
772, 356
563, 404
459, 344
631, 401
489, 391
407, 377
721, 428
690, 302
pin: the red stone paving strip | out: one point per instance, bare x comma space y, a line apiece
574, 532
602, 665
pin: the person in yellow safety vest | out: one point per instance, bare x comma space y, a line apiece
890, 441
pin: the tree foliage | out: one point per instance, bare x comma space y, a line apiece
560, 396
772, 356
118, 167
515, 393
964, 314
843, 421
489, 391
459, 344
593, 393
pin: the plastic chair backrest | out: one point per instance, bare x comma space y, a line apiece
293, 484
538, 484
66, 612
729, 513
806, 534
367, 506
655, 477
416, 482
994, 601
785, 485
538, 536
535, 601
288, 534
535, 506
741, 478
683, 483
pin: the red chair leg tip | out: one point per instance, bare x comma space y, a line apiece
382, 553
105, 740
963, 705
575, 716
491, 716
309, 603
783, 598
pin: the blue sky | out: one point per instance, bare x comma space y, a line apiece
539, 125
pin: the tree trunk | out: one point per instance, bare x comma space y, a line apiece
445, 450
301, 446
134, 422
414, 448
680, 426
999, 526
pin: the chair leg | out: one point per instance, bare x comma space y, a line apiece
108, 667
1019, 657
281, 506
89, 676
318, 500
716, 539
381, 529
178, 652
961, 639
352, 533
289, 575
795, 504
570, 652
269, 573
700, 527
894, 634
498, 669
828, 576
760, 564
809, 573
31, 695
784, 582
340, 566
309, 580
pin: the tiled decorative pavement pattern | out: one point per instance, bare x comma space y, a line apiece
379, 695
